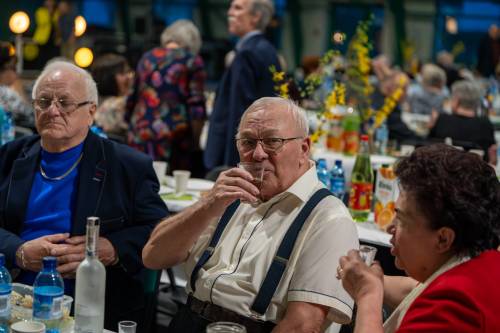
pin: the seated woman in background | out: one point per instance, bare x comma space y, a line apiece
114, 79
445, 235
167, 107
10, 100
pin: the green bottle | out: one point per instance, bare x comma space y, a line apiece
360, 198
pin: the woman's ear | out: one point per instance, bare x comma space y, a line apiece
446, 237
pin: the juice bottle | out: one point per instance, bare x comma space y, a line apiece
386, 193
360, 198
350, 125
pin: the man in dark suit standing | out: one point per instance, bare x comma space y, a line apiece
247, 79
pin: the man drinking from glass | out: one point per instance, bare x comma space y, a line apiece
262, 257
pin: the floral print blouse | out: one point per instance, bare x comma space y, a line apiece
168, 94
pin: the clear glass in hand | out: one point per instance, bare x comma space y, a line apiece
367, 253
256, 169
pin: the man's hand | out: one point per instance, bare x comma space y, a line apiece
231, 185
29, 255
72, 253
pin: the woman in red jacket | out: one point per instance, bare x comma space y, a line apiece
445, 235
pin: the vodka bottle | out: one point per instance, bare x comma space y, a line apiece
5, 292
48, 293
90, 285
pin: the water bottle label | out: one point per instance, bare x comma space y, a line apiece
337, 187
4, 304
47, 306
361, 196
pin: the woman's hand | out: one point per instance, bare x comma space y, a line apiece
358, 279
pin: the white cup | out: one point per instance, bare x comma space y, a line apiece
160, 169
367, 253
27, 327
127, 326
181, 178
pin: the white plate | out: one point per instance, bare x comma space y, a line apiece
194, 184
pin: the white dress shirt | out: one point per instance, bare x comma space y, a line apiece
233, 275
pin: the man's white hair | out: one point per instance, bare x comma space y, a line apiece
62, 65
266, 10
296, 112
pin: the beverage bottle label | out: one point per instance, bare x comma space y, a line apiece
351, 142
361, 196
47, 306
4, 303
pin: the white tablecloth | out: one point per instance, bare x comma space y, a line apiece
370, 233
348, 161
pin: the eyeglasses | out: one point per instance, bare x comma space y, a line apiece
63, 105
270, 145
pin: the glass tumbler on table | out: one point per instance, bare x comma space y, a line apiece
127, 326
225, 327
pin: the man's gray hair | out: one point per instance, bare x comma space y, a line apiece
88, 81
266, 10
296, 112
184, 33
467, 93
433, 76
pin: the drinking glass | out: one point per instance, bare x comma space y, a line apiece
367, 253
127, 326
256, 169
225, 327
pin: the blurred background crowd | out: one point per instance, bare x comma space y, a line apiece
143, 68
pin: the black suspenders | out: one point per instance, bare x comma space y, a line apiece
280, 261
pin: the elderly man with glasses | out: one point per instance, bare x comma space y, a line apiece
261, 254
50, 183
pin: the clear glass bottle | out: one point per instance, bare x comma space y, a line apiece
48, 294
5, 292
360, 198
90, 285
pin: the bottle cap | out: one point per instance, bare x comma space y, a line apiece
2, 259
364, 137
385, 165
49, 262
338, 163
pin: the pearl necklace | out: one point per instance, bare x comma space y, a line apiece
44, 175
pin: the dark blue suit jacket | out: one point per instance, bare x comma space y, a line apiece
116, 184
247, 79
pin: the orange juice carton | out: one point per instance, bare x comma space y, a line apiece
386, 193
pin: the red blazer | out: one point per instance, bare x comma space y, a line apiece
464, 299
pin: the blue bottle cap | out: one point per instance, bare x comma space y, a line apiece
49, 262
338, 163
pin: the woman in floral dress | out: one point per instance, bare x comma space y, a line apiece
166, 110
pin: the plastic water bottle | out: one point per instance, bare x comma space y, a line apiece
5, 291
48, 292
381, 139
337, 180
8, 130
322, 172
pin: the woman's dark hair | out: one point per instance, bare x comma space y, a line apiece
104, 70
455, 189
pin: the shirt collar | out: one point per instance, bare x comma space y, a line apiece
243, 39
304, 187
